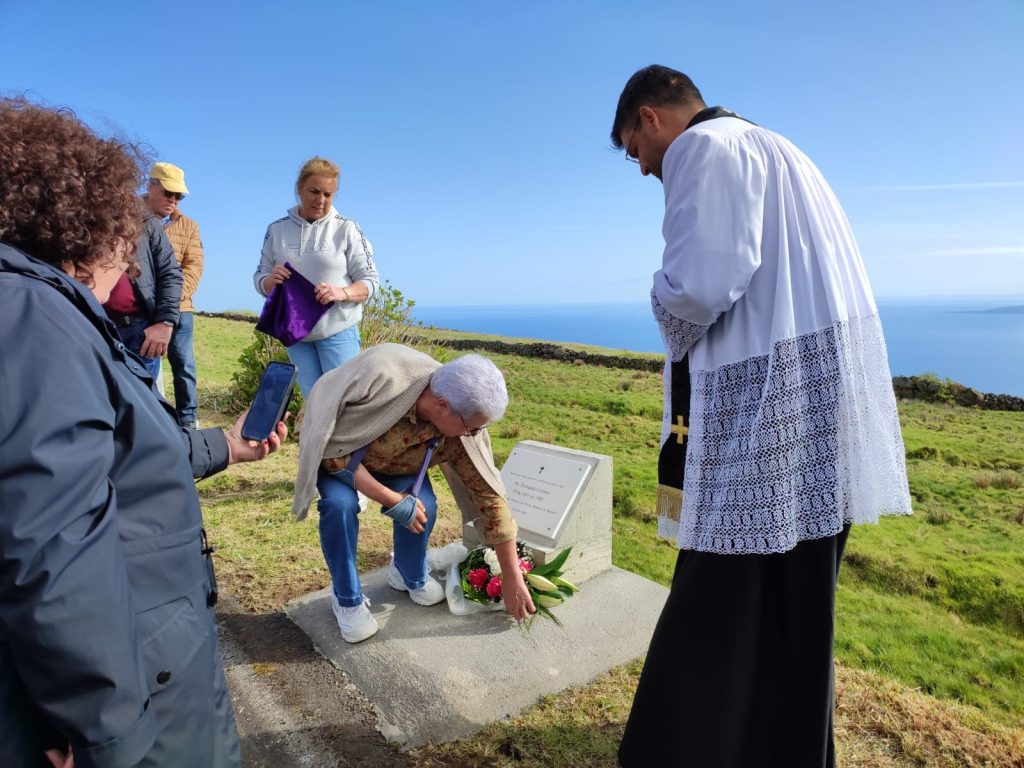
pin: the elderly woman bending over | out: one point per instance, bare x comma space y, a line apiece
375, 425
331, 252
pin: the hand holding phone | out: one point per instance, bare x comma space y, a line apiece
271, 401
240, 449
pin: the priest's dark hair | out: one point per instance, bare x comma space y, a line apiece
653, 86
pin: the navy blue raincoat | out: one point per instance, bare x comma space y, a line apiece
107, 640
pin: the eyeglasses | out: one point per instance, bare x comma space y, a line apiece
470, 432
629, 147
165, 193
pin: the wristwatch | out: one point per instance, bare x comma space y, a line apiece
168, 323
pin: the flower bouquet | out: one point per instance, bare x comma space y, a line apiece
480, 578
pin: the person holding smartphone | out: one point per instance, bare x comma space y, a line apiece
333, 254
108, 645
375, 425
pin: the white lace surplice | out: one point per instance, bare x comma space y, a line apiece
793, 426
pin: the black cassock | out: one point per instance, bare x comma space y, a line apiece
739, 670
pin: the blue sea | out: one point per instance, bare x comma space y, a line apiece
976, 341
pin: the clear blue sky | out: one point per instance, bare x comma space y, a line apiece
473, 136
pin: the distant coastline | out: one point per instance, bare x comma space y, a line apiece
1011, 398
1013, 310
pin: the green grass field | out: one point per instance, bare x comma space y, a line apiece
930, 624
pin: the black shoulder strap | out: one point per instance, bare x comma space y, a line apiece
711, 113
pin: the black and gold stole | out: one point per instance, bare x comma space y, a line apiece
672, 460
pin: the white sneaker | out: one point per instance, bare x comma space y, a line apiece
430, 593
356, 623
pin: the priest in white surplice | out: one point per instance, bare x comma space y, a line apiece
790, 427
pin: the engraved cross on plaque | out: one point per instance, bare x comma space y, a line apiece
679, 429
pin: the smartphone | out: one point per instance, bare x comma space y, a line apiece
271, 401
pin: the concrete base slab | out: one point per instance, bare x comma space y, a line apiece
437, 677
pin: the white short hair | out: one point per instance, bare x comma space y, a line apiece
473, 386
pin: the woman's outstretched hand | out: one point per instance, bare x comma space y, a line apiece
240, 449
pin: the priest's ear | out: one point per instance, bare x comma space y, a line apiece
662, 124
649, 116
657, 119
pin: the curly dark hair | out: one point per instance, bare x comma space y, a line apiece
66, 195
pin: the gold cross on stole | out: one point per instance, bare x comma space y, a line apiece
680, 429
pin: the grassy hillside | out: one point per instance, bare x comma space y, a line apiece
930, 626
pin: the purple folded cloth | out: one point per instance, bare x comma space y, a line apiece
291, 309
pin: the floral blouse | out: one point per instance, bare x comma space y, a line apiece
400, 451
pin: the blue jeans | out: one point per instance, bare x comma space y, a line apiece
339, 534
183, 364
132, 336
315, 358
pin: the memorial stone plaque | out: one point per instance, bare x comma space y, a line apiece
542, 489
559, 497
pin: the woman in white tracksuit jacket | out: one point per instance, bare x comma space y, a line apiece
331, 252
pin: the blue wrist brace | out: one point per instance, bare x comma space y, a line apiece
404, 512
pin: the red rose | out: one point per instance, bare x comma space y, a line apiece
494, 587
477, 578
524, 566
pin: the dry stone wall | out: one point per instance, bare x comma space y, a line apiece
928, 388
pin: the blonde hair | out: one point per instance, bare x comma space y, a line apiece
316, 166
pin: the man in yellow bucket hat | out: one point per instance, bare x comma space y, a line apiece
166, 189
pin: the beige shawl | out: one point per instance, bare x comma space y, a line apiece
358, 402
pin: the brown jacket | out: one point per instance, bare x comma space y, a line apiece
183, 233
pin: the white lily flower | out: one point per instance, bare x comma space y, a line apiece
541, 583
549, 601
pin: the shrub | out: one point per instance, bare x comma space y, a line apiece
939, 389
387, 317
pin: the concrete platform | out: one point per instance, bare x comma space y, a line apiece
436, 677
